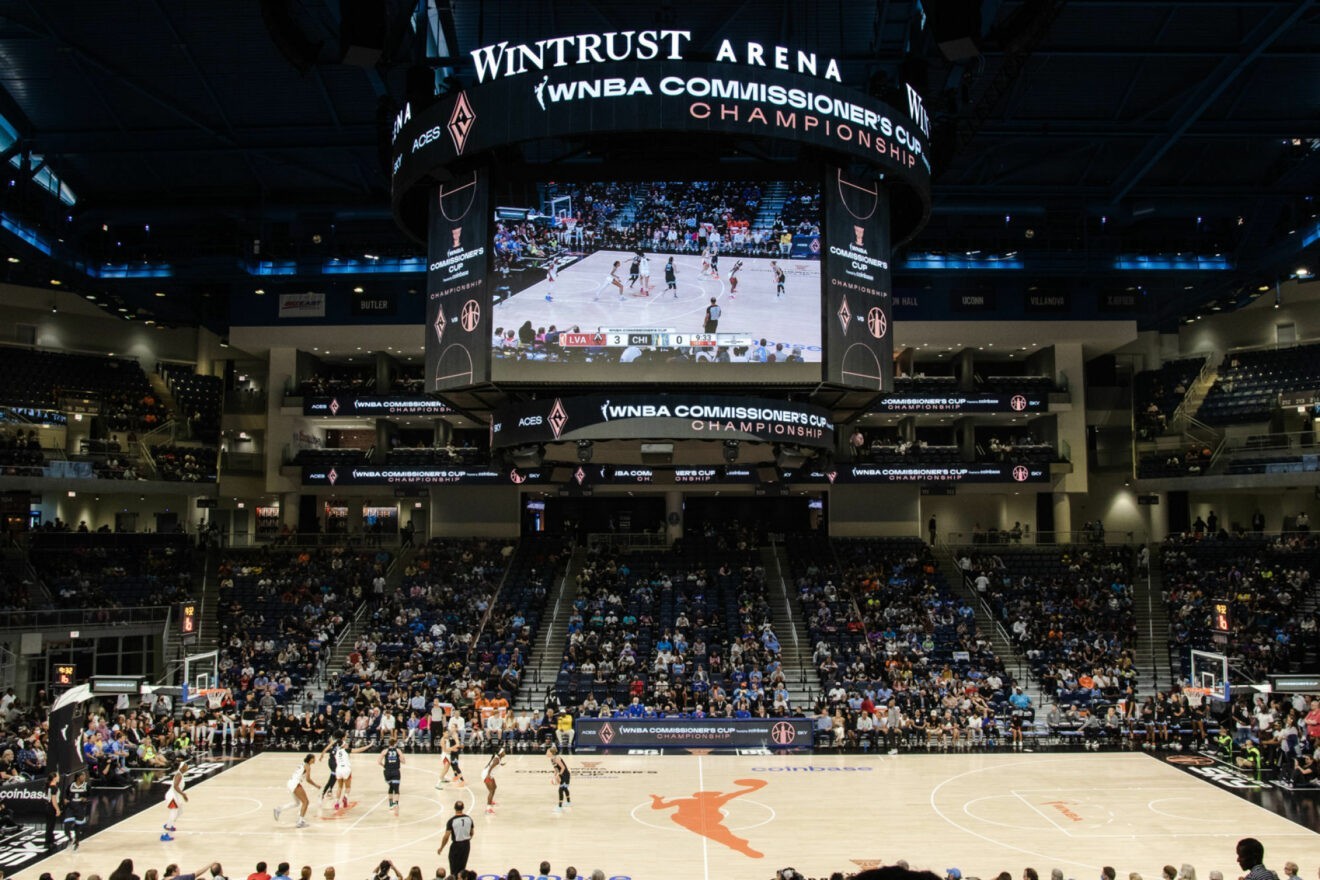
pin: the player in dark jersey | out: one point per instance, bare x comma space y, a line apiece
392, 760
779, 278
635, 270
671, 277
561, 777
76, 809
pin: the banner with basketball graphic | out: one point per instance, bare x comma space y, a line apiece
457, 296
858, 295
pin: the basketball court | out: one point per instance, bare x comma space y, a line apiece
582, 296
723, 816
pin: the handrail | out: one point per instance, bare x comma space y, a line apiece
61, 617
783, 588
1020, 669
1001, 538
490, 605
1208, 366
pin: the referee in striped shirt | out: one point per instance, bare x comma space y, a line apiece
459, 830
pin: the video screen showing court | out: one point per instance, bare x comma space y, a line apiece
645, 281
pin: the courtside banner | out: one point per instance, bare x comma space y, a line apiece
458, 303
705, 733
526, 94
859, 302
661, 416
368, 405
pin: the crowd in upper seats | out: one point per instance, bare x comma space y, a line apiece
1156, 394
188, 464
899, 656
281, 609
1263, 581
1069, 611
98, 570
117, 388
1249, 382
199, 400
20, 453
340, 379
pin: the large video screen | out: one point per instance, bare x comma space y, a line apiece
712, 281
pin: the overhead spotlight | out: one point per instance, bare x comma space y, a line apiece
790, 458
731, 451
585, 449
224, 341
528, 456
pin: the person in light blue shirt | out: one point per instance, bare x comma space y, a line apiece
1019, 701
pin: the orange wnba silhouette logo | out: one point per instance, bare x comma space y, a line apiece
701, 814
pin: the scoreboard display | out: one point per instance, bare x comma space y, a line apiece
188, 621
65, 675
663, 338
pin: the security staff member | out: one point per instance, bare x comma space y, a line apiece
458, 829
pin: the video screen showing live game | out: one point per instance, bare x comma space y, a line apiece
652, 281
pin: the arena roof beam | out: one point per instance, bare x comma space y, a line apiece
1224, 74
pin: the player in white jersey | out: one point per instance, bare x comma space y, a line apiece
174, 800
343, 770
644, 265
295, 786
451, 746
612, 278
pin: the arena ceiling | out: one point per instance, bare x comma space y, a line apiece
1170, 147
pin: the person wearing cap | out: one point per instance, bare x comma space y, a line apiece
953, 874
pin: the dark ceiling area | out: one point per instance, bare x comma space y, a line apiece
1170, 148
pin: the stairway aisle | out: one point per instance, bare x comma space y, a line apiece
987, 626
794, 640
543, 665
1151, 651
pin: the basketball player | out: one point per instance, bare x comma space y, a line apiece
174, 800
612, 278
488, 777
705, 262
645, 268
561, 776
392, 760
76, 809
635, 270
671, 277
779, 278
733, 280
343, 770
451, 746
714, 264
295, 786
551, 272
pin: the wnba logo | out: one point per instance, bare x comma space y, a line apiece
783, 733
457, 233
1020, 474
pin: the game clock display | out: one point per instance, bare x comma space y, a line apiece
65, 676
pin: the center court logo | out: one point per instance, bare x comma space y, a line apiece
704, 814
